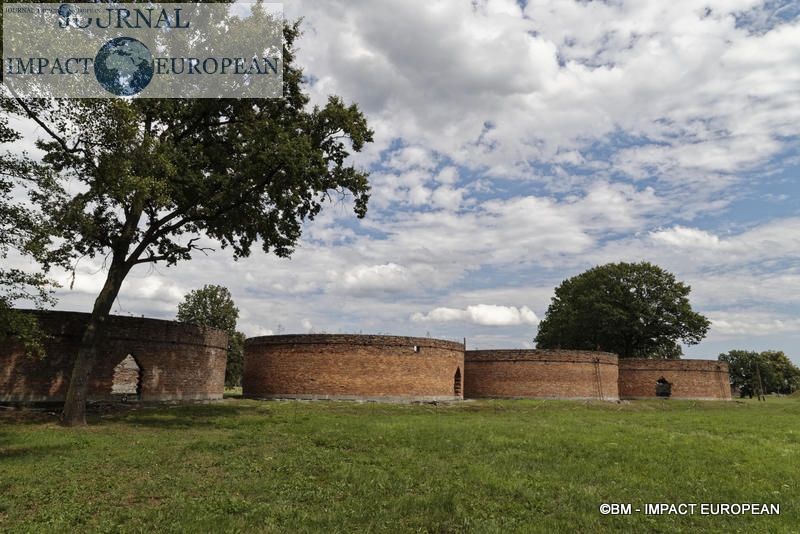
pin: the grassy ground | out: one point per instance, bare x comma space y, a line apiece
477, 466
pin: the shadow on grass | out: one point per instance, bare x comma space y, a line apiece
29, 414
9, 451
221, 415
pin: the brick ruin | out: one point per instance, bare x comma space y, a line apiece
403, 368
575, 374
141, 359
348, 367
682, 379
153, 360
542, 374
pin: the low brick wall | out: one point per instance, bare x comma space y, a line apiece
175, 361
686, 379
323, 366
547, 374
172, 361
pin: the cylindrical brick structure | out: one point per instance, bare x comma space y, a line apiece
146, 359
353, 367
678, 379
541, 374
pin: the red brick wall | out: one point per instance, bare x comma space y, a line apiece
689, 379
178, 361
560, 374
352, 366
185, 362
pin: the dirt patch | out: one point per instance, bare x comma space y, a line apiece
19, 414
51, 413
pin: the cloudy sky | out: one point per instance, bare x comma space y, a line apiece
518, 144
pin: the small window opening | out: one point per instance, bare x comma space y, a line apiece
663, 388
457, 383
127, 379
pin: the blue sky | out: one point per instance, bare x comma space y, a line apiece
520, 143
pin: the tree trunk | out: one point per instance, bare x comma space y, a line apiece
74, 413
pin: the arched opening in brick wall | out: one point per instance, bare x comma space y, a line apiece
663, 388
127, 379
457, 383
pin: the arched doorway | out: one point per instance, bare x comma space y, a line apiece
663, 388
457, 383
127, 379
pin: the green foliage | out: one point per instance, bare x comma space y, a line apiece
144, 180
482, 466
213, 306
636, 310
17, 223
234, 368
771, 370
149, 176
21, 327
210, 306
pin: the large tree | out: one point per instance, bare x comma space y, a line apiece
636, 310
212, 305
755, 373
144, 181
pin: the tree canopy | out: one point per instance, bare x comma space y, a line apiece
636, 310
212, 305
755, 373
138, 181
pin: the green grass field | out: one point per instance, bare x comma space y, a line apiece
477, 466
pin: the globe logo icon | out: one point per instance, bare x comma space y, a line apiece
123, 66
64, 10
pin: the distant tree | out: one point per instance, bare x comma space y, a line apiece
754, 373
233, 370
210, 306
636, 310
145, 181
213, 306
743, 370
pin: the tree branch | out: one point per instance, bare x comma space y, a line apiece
52, 134
152, 258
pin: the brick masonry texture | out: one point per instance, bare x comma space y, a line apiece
688, 379
546, 374
323, 366
174, 362
177, 361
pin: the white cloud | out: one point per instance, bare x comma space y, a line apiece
481, 314
752, 323
152, 288
493, 89
770, 240
370, 279
680, 237
410, 157
745, 285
